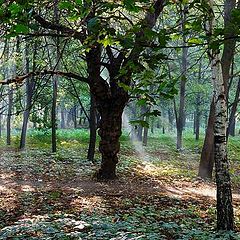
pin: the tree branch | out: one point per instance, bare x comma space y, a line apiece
20, 79
58, 27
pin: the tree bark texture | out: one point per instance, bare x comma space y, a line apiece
224, 194
225, 219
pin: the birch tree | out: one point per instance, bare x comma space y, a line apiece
224, 194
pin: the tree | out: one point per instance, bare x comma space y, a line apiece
121, 61
229, 44
224, 194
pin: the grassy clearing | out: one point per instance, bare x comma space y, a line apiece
53, 196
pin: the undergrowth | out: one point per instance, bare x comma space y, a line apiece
45, 214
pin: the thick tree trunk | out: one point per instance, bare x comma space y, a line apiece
110, 131
207, 155
93, 130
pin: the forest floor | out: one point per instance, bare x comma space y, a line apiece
156, 196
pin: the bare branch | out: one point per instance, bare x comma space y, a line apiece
58, 27
20, 79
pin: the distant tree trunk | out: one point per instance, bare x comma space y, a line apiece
0, 125
170, 119
163, 130
232, 128
93, 130
9, 115
53, 115
194, 123
198, 115
46, 117
1, 114
63, 126
207, 155
55, 84
75, 116
181, 115
140, 127
232, 118
198, 103
152, 127
30, 85
145, 132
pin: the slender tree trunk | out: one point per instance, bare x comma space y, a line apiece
9, 115
170, 119
152, 127
53, 114
30, 85
225, 218
224, 193
63, 126
55, 84
0, 125
198, 103
197, 124
93, 132
231, 124
194, 122
181, 115
75, 116
198, 116
140, 127
232, 127
145, 133
207, 155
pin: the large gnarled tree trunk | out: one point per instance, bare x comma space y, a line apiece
110, 132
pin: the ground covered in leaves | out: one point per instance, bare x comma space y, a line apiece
157, 194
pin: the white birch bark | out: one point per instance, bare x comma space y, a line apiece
224, 194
